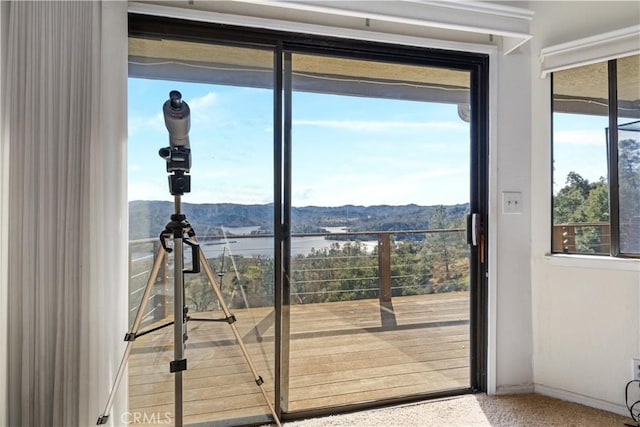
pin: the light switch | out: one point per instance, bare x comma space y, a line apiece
511, 202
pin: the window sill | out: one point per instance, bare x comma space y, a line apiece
601, 262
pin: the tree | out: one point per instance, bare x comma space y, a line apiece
581, 201
446, 253
411, 271
567, 204
198, 293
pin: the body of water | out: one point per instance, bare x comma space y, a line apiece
239, 242
263, 246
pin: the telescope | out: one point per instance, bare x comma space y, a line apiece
177, 119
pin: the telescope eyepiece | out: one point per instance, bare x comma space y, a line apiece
175, 98
177, 119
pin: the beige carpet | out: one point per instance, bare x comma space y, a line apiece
476, 410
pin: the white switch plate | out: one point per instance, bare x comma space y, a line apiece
511, 202
635, 369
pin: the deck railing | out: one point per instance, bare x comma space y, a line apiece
359, 264
588, 237
142, 255
350, 265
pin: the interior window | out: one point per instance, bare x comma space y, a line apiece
596, 165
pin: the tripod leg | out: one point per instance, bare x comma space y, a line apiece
225, 310
131, 335
179, 363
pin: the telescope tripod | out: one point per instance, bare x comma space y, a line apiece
177, 229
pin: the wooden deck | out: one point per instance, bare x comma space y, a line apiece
340, 353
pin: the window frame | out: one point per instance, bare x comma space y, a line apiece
612, 165
476, 63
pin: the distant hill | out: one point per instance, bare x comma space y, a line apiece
148, 218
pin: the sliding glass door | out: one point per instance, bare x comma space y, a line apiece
332, 183
379, 278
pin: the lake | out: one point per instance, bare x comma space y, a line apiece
263, 246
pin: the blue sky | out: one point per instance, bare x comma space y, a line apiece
346, 150
580, 145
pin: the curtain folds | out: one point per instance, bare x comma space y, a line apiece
67, 284
4, 214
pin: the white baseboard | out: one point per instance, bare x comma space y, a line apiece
515, 389
581, 399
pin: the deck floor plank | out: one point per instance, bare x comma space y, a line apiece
340, 353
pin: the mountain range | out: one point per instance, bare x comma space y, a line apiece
148, 218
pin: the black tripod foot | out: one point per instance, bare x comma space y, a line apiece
102, 419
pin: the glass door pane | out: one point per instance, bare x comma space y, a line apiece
230, 206
379, 265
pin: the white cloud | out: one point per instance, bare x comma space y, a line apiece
143, 125
376, 126
203, 191
363, 187
203, 102
149, 190
241, 195
580, 137
200, 112
438, 173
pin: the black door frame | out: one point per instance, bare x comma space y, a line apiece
283, 44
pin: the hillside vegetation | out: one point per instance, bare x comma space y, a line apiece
148, 218
345, 270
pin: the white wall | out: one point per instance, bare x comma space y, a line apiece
585, 309
514, 334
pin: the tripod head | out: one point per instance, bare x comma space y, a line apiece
177, 119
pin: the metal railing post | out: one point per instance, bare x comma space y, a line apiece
384, 266
605, 238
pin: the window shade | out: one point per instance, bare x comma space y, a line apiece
590, 50
376, 20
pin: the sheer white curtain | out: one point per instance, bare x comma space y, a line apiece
65, 130
4, 217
